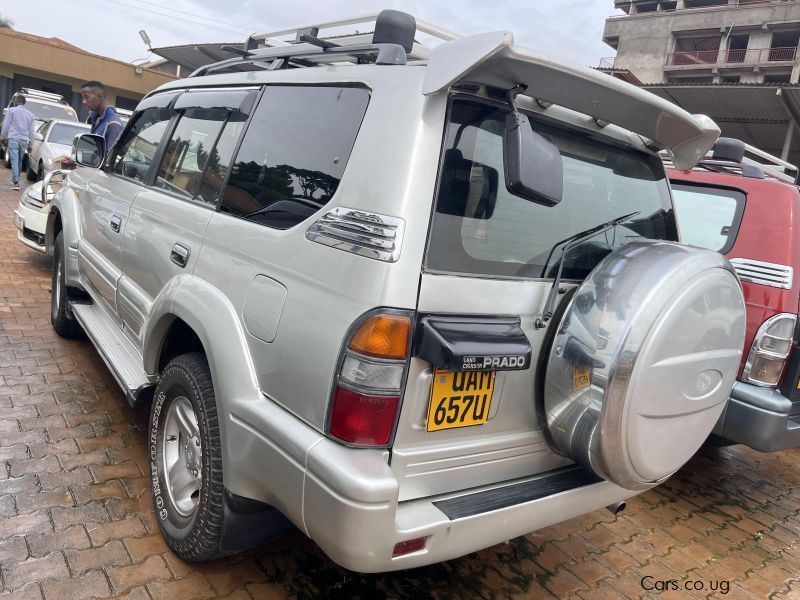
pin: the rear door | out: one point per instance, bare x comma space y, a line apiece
169, 218
487, 269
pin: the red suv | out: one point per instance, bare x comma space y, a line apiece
749, 210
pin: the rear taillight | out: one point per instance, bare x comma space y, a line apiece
769, 351
372, 369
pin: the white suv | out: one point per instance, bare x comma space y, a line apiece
415, 302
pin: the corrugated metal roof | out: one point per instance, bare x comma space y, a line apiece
755, 113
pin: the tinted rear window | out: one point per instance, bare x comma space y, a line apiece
708, 217
480, 228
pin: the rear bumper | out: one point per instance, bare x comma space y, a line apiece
346, 499
759, 417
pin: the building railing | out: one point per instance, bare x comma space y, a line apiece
744, 55
737, 4
608, 62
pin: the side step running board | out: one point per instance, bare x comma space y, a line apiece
548, 484
121, 357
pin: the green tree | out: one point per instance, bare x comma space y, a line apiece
6, 23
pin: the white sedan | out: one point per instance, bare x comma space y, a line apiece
30, 217
54, 138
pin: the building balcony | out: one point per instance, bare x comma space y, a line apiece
752, 56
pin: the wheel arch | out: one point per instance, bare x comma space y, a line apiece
189, 312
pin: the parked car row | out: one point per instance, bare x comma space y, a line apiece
416, 302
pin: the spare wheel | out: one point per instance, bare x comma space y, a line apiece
643, 361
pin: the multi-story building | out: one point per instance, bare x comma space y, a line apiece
734, 60
707, 41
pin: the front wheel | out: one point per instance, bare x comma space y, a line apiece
30, 173
186, 459
60, 315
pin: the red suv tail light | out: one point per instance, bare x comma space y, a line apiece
366, 396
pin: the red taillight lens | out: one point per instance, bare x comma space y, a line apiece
409, 546
362, 419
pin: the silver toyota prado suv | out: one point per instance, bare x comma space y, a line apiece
414, 301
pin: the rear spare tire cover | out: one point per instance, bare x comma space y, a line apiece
643, 361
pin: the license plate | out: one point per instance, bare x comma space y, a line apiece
18, 222
581, 378
459, 399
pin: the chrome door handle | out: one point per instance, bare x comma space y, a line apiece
115, 223
179, 255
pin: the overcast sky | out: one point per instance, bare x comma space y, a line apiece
570, 29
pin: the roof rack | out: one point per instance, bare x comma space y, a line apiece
31, 93
730, 155
393, 41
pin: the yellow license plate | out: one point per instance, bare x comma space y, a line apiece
581, 378
459, 399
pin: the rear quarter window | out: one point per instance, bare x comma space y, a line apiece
708, 217
294, 153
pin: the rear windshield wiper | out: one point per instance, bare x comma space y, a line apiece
570, 243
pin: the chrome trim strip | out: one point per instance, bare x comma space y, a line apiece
763, 273
371, 235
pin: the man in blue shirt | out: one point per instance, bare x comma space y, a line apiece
104, 119
18, 130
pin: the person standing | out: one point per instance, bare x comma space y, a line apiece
18, 131
104, 119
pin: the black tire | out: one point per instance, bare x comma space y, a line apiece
40, 172
30, 174
194, 534
60, 315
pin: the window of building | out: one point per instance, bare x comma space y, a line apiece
737, 48
731, 79
691, 79
294, 153
645, 8
696, 50
784, 45
777, 77
669, 5
126, 103
704, 3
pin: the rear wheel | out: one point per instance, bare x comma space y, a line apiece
186, 459
60, 315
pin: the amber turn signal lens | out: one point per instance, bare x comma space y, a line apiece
383, 336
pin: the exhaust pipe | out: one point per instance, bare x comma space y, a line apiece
616, 508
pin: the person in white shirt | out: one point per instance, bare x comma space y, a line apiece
18, 131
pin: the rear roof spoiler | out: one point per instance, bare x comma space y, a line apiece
491, 59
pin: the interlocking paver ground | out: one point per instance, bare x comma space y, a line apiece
76, 520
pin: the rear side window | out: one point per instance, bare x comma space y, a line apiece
481, 228
294, 153
708, 217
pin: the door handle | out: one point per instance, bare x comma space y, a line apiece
179, 255
115, 223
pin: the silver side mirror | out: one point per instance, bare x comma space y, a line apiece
51, 184
88, 149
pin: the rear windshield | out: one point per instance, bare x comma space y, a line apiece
708, 217
64, 134
51, 111
481, 228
